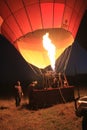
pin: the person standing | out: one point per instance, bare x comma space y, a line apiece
31, 87
18, 93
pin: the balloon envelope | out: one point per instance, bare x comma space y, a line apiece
23, 17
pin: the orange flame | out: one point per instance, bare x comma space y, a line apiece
51, 49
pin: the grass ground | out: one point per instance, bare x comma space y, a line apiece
57, 117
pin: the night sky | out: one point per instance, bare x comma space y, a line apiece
82, 32
13, 67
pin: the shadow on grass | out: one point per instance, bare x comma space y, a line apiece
34, 107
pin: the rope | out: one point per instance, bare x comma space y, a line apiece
67, 59
62, 96
34, 70
65, 75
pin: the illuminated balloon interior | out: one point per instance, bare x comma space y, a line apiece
31, 46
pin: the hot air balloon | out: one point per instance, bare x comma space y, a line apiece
26, 21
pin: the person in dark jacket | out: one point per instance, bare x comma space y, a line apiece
30, 92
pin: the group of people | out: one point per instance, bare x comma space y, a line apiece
59, 81
19, 92
55, 80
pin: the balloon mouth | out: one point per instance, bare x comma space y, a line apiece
31, 45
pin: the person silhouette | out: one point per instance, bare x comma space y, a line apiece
18, 93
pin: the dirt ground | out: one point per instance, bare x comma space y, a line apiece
57, 117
